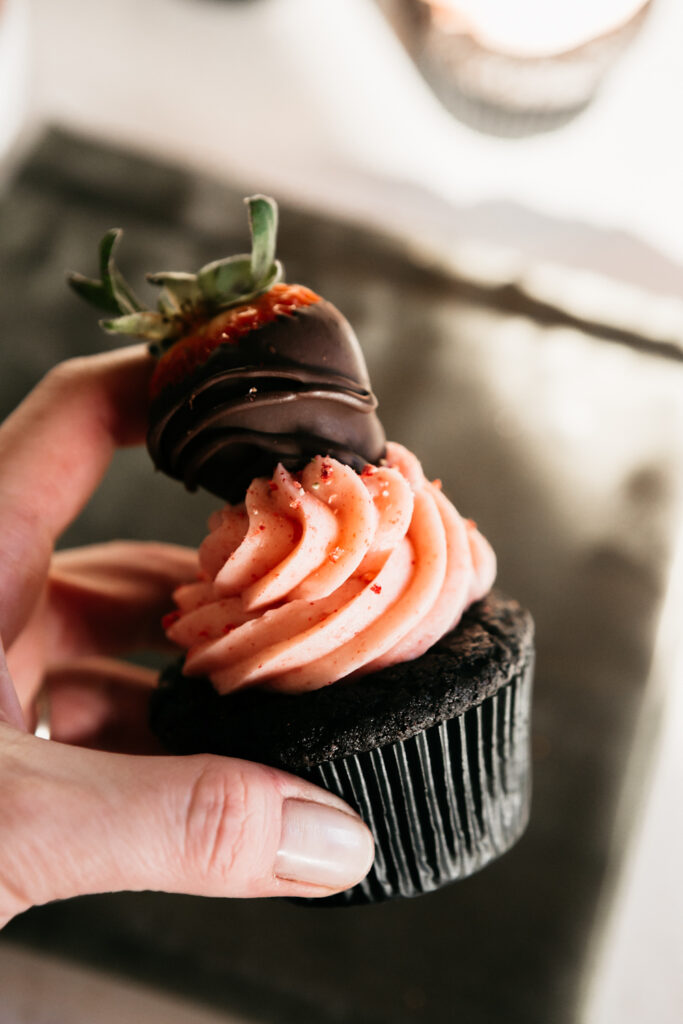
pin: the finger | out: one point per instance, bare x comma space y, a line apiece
80, 821
54, 449
105, 599
110, 598
102, 704
10, 709
27, 655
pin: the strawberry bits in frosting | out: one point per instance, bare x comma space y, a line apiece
328, 573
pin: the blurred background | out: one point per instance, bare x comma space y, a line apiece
491, 193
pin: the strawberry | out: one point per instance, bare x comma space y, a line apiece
251, 371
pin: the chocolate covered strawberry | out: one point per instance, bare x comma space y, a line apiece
251, 371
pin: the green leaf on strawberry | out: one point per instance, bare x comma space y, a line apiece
180, 292
263, 227
185, 299
146, 324
111, 293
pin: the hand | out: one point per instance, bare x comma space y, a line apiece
98, 808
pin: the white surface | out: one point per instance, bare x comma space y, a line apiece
35, 989
638, 964
13, 70
318, 101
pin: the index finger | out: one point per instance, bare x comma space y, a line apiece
54, 450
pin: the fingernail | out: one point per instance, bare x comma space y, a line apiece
322, 845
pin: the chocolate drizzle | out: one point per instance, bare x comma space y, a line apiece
287, 391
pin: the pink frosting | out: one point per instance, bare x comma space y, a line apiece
327, 574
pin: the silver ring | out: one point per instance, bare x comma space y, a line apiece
42, 727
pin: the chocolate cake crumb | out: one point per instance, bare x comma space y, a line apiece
492, 642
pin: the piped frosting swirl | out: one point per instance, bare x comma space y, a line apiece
328, 573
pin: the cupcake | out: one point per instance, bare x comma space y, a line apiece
516, 69
343, 625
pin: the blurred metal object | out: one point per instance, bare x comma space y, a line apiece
495, 89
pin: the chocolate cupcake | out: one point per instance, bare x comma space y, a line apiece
342, 626
517, 69
432, 753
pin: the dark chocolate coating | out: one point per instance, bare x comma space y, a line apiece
492, 644
292, 389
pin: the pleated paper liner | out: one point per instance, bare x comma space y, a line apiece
442, 804
432, 753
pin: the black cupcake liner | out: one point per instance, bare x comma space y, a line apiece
432, 753
443, 803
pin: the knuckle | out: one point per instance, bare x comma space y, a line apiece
63, 376
216, 821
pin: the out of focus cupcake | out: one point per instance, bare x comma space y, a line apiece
518, 68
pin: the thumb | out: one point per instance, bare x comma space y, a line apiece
78, 821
